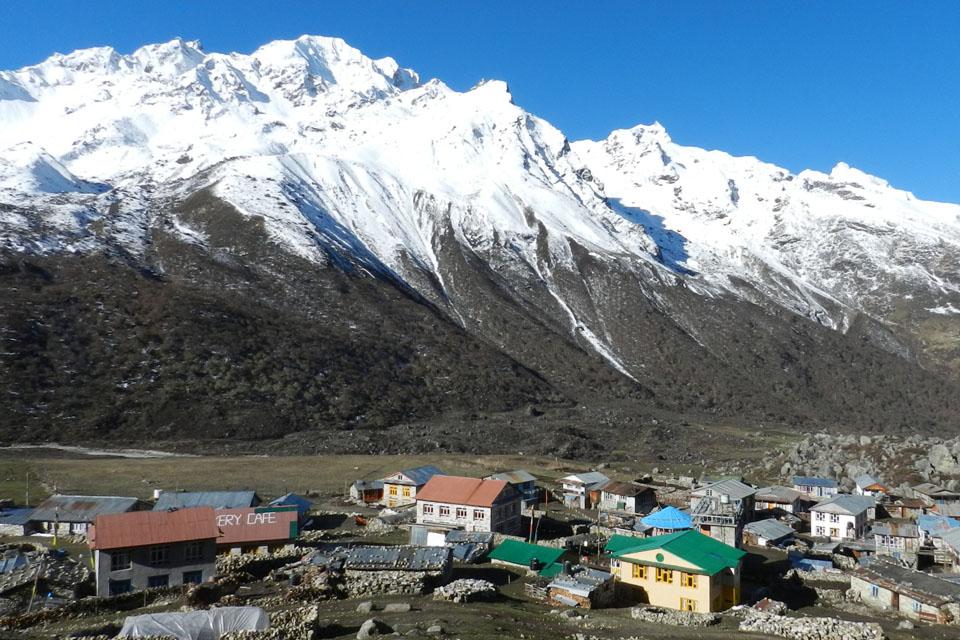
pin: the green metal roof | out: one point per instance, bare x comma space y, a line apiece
551, 570
692, 546
516, 552
618, 543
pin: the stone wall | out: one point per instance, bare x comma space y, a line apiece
810, 628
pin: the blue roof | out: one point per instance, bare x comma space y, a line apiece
17, 517
813, 481
293, 500
12, 562
421, 475
933, 523
668, 518
216, 499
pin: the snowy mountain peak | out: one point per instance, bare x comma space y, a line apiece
345, 158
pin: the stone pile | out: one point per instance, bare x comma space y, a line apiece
810, 628
466, 590
658, 615
256, 563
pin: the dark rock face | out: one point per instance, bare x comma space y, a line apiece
238, 341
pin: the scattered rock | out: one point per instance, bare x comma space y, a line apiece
465, 590
372, 628
434, 630
659, 615
397, 607
365, 607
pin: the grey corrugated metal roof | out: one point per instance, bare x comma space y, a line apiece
589, 478
385, 558
16, 517
778, 494
216, 499
368, 485
770, 529
865, 480
81, 508
418, 475
581, 580
844, 503
734, 488
918, 585
814, 481
898, 529
513, 477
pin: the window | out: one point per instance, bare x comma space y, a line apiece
119, 560
154, 582
688, 604
192, 577
917, 606
834, 517
393, 490
834, 533
444, 510
406, 492
461, 512
117, 587
664, 575
193, 552
689, 580
820, 531
639, 572
159, 555
874, 591
428, 508
708, 492
479, 514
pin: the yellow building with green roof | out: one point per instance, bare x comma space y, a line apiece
685, 570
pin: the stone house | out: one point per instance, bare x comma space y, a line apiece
769, 532
899, 539
867, 485
843, 517
73, 515
816, 487
721, 509
151, 549
686, 570
778, 500
883, 584
582, 587
401, 488
627, 497
366, 491
469, 504
525, 484
579, 488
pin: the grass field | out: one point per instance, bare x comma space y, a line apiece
45, 471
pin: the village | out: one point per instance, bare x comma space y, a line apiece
417, 552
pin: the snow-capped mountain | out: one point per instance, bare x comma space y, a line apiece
466, 200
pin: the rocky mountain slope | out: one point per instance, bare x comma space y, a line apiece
303, 240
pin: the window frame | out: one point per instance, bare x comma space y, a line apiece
461, 513
159, 555
444, 511
193, 551
479, 514
688, 579
116, 555
664, 576
639, 571
428, 509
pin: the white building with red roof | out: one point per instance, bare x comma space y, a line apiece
469, 504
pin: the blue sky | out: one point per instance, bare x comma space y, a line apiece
803, 85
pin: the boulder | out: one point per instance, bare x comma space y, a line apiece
372, 628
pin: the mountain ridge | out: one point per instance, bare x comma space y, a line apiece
313, 154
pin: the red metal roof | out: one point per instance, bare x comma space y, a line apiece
145, 528
256, 524
459, 490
